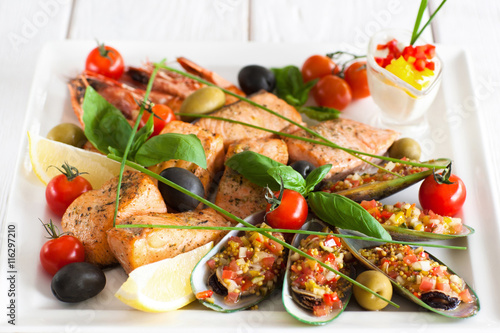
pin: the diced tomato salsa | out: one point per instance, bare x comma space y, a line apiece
415, 271
308, 275
356, 180
409, 216
251, 263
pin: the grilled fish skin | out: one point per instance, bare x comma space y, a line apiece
91, 214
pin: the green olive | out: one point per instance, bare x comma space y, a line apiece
405, 147
68, 133
377, 282
202, 101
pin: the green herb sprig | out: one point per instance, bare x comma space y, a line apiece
291, 87
416, 32
287, 231
325, 141
264, 232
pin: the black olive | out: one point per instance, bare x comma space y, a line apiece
303, 167
253, 78
78, 282
175, 199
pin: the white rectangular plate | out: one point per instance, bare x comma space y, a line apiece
454, 132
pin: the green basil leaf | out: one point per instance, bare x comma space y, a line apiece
172, 146
316, 176
292, 180
344, 213
141, 136
254, 166
105, 125
290, 85
319, 113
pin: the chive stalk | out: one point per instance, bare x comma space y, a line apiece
354, 153
290, 231
263, 232
416, 32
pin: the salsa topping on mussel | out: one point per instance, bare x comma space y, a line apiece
313, 287
425, 278
356, 179
247, 265
405, 215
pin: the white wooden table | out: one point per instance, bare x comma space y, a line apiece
25, 26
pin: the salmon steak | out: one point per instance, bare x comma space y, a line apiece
213, 146
345, 133
135, 247
91, 214
238, 195
245, 112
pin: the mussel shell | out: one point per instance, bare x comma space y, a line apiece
291, 306
201, 275
383, 189
463, 310
410, 235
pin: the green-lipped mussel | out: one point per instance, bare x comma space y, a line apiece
382, 184
312, 294
241, 270
417, 275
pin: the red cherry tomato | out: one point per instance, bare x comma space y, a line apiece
163, 115
60, 250
63, 189
317, 66
106, 61
333, 92
355, 76
290, 214
442, 199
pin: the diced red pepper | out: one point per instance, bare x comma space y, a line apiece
466, 296
273, 246
233, 266
232, 297
228, 274
269, 275
420, 52
430, 51
419, 64
410, 259
268, 262
321, 310
332, 241
427, 284
329, 299
443, 286
236, 239
439, 271
386, 214
246, 284
368, 204
211, 263
204, 294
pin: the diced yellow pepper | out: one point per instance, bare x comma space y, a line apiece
406, 72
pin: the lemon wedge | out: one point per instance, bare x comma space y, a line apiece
164, 285
44, 153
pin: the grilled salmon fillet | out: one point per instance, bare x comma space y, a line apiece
346, 133
214, 152
242, 111
91, 214
135, 247
238, 195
